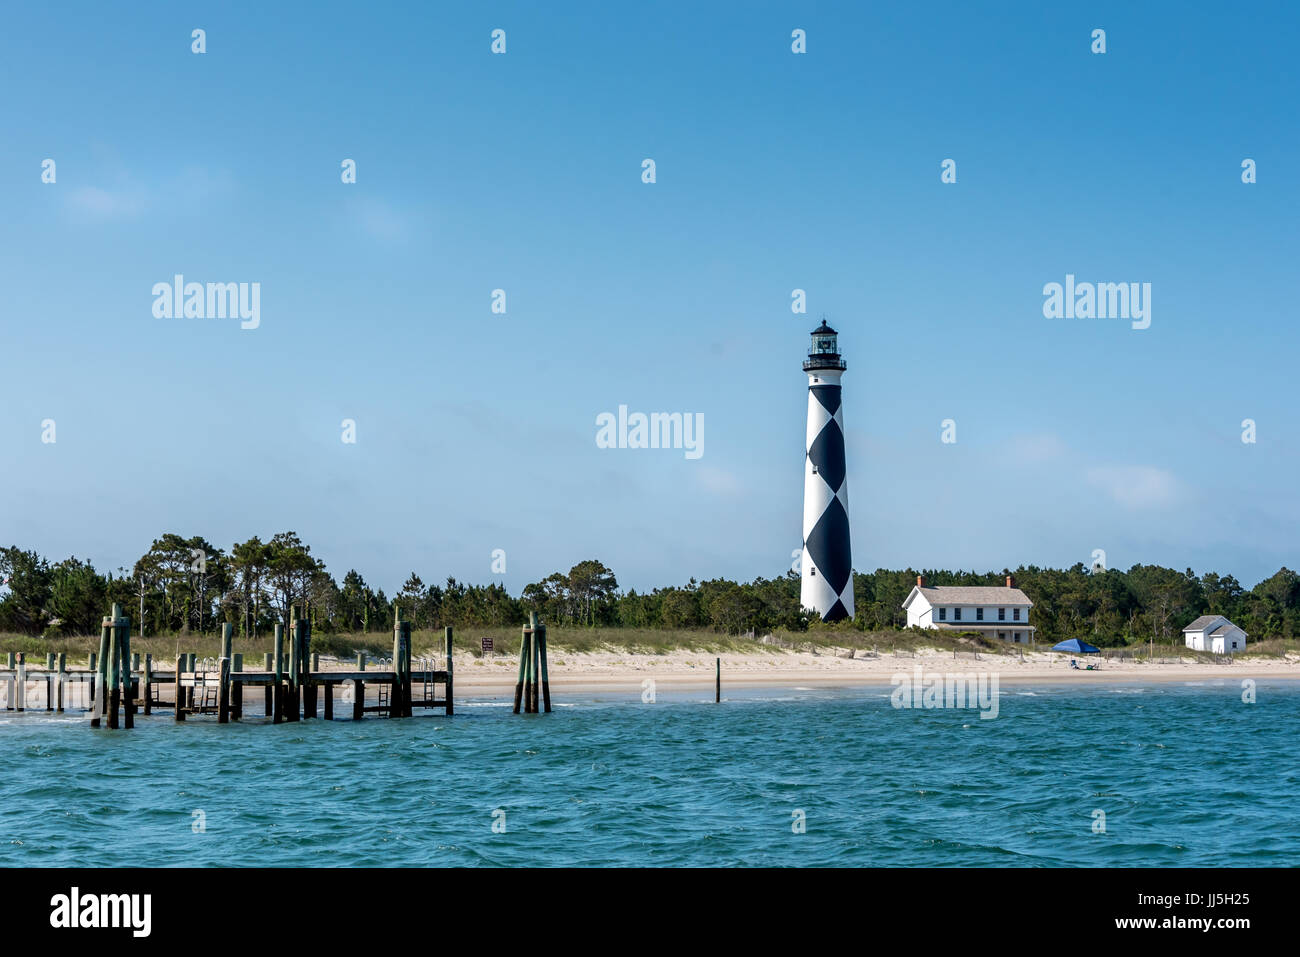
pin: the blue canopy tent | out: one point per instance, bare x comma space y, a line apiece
1077, 647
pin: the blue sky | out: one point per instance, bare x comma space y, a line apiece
775, 171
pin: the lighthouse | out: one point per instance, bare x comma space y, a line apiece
827, 561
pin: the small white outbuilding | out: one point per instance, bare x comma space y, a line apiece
1214, 633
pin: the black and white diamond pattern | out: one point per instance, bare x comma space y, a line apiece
827, 558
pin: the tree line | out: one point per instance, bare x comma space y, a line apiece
188, 584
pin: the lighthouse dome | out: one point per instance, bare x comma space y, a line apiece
824, 353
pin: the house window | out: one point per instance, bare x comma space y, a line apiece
979, 614
956, 614
1002, 614
943, 614
1015, 614
1002, 636
1017, 638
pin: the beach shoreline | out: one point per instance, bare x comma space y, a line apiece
615, 672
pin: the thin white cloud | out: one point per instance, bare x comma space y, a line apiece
718, 481
1036, 448
381, 220
92, 202
1136, 486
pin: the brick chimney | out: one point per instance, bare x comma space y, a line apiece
1011, 582
920, 581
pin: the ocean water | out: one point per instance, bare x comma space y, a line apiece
1186, 775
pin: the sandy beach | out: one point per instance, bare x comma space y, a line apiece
684, 670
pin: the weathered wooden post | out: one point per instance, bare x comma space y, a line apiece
268, 665
329, 701
359, 698
535, 668
528, 663
97, 704
524, 638
113, 679
277, 690
400, 703
295, 669
20, 693
192, 666
236, 687
223, 691
304, 662
451, 670
9, 661
49, 681
62, 669
717, 684
180, 695
146, 684
122, 623
361, 661
546, 678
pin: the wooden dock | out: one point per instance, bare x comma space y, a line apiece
115, 685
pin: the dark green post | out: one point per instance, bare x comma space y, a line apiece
451, 670
146, 684
180, 695
400, 704
277, 688
113, 684
717, 685
304, 662
236, 687
524, 638
295, 668
223, 691
62, 677
546, 680
97, 705
123, 623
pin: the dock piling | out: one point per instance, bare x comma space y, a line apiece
223, 691
451, 671
122, 624
180, 695
525, 639
546, 681
277, 686
237, 687
113, 678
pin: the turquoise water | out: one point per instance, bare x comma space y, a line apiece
1186, 775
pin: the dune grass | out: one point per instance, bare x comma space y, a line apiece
821, 639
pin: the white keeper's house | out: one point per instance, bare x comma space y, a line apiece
995, 612
1214, 633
